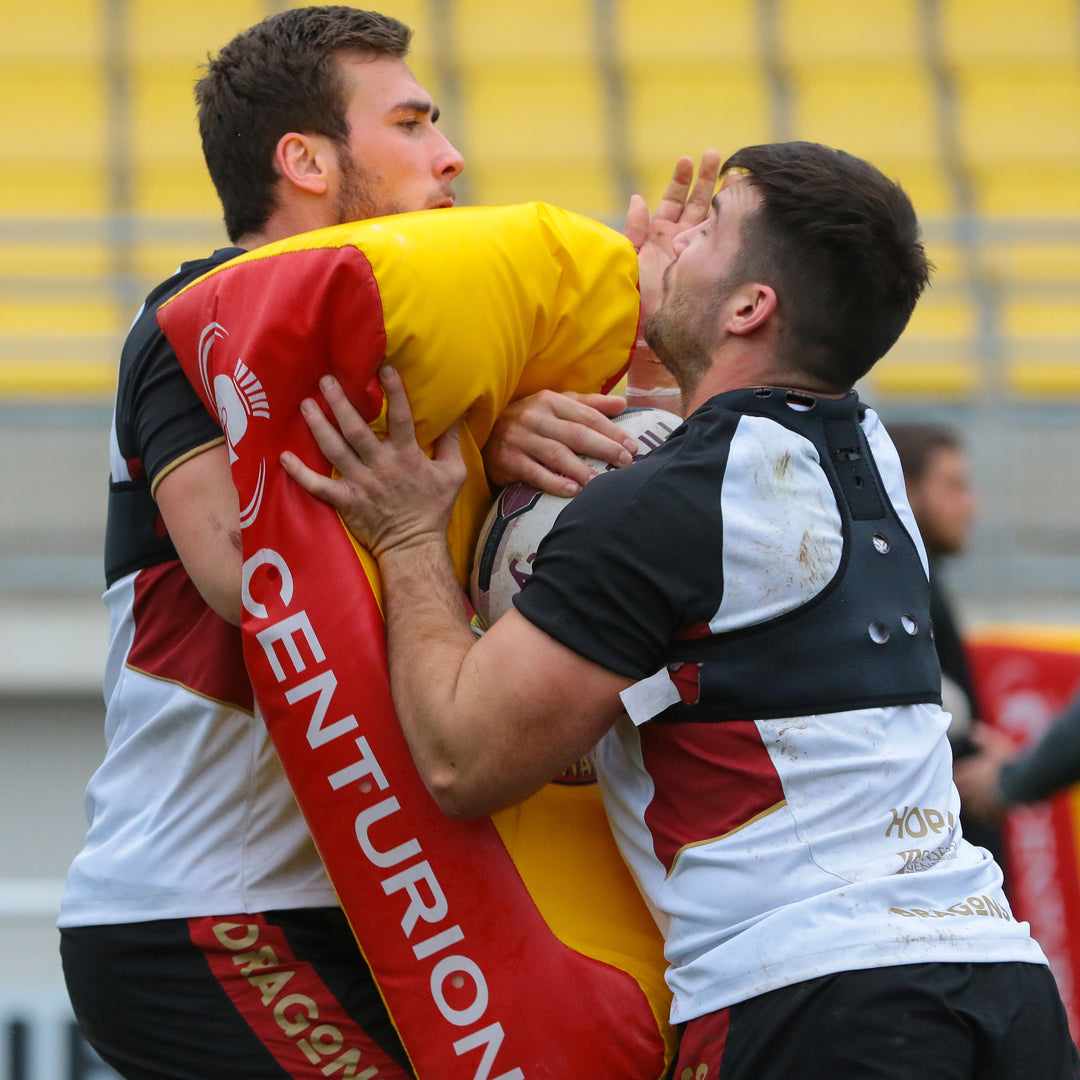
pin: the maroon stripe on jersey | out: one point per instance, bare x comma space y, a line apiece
286, 1004
709, 778
178, 638
701, 1049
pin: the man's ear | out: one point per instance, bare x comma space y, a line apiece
750, 307
304, 161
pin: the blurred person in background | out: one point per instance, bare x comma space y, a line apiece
998, 775
937, 475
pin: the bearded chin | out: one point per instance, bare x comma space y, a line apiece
676, 346
355, 201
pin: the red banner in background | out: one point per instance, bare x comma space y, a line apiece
1025, 678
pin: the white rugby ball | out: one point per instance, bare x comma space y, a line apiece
523, 515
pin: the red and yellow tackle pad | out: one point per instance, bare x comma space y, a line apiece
512, 948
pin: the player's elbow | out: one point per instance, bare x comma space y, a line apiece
456, 795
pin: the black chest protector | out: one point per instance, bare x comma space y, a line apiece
865, 641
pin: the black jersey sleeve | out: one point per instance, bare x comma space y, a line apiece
160, 418
630, 562
169, 419
157, 421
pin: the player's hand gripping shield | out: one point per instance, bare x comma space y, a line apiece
513, 948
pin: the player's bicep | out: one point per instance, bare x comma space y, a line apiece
201, 511
545, 705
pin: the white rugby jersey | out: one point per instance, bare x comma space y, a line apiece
760, 558
190, 813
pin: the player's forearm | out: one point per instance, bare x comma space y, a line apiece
1052, 764
428, 642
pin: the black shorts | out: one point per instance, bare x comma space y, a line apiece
284, 994
911, 1022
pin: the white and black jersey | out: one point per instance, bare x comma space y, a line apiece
781, 785
190, 813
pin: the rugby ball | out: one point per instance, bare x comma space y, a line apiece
522, 516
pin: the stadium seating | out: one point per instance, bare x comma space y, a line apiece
975, 33
884, 114
55, 115
935, 356
56, 317
58, 345
167, 46
30, 32
815, 33
688, 91
1020, 138
974, 105
1042, 358
859, 81
533, 106
1017, 79
685, 109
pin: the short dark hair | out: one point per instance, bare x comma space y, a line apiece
279, 76
839, 242
916, 444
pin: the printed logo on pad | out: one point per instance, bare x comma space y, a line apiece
580, 773
238, 399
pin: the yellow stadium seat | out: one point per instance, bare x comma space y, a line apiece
939, 319
87, 373
1019, 132
1005, 193
886, 114
1023, 260
486, 33
694, 32
554, 150
62, 30
48, 258
1021, 116
678, 110
55, 121
185, 33
1048, 380
170, 176
814, 33
935, 356
39, 317
56, 347
977, 32
1048, 321
1042, 343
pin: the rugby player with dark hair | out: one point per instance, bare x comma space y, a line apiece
739, 623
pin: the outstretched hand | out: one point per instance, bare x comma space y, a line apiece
685, 203
389, 493
537, 439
